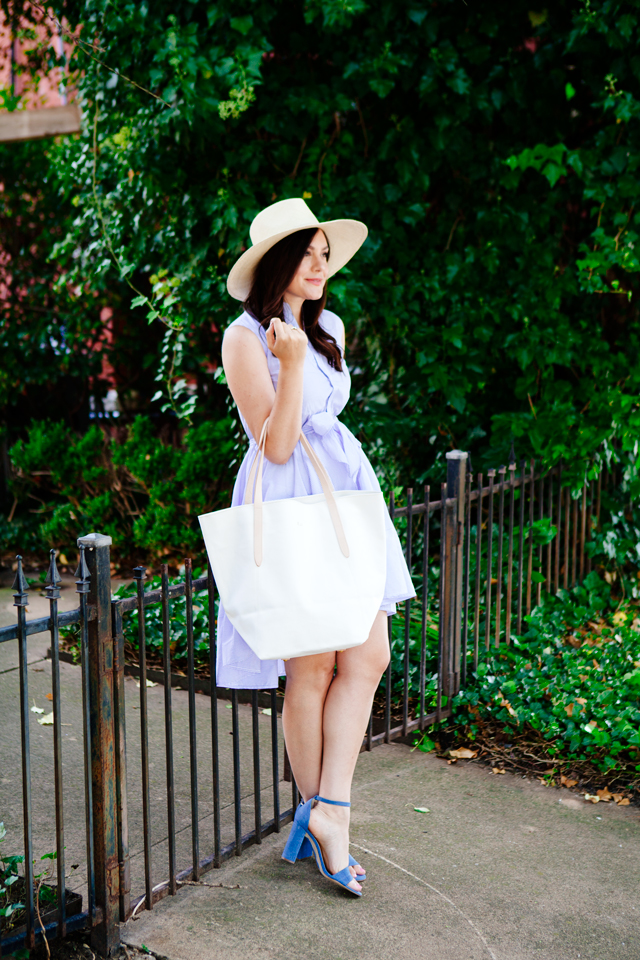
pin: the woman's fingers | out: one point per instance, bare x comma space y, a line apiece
271, 333
286, 342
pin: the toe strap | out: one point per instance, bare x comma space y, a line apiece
343, 876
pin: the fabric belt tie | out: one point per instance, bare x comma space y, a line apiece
334, 438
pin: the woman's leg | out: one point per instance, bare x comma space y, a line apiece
308, 679
346, 714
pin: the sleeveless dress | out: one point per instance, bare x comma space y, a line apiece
325, 394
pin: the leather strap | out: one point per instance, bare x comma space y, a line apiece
325, 482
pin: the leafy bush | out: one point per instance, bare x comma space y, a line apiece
178, 631
493, 152
153, 625
142, 491
573, 676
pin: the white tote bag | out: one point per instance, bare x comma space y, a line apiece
303, 575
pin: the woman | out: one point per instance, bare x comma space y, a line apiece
284, 359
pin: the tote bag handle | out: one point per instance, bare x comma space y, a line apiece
325, 482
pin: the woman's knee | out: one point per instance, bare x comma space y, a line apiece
368, 667
378, 663
313, 674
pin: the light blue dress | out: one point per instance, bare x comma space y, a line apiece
325, 394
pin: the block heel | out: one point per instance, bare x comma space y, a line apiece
294, 843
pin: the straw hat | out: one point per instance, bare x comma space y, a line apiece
282, 219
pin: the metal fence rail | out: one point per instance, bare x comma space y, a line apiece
480, 555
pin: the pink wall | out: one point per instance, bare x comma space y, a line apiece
46, 91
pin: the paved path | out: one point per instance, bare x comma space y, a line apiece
498, 868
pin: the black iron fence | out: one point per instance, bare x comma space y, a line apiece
480, 553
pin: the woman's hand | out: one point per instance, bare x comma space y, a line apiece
287, 343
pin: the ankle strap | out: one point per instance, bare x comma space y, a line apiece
334, 803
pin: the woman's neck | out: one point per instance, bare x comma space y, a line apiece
295, 305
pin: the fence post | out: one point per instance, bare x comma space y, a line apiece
456, 487
105, 935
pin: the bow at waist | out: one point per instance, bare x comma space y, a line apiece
336, 439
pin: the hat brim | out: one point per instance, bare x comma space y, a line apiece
345, 239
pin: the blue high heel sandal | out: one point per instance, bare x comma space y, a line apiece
306, 851
300, 832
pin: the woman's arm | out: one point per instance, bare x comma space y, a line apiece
247, 374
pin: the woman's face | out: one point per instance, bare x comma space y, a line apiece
311, 276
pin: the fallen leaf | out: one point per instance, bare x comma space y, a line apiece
267, 711
566, 782
580, 700
421, 809
592, 798
569, 710
605, 795
463, 753
452, 761
48, 696
228, 706
46, 721
150, 683
497, 770
507, 705
624, 802
35, 709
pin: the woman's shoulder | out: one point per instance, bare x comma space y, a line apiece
249, 323
332, 323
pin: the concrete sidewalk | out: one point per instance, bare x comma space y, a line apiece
499, 867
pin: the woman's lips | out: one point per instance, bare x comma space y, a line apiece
315, 282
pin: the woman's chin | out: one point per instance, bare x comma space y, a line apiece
313, 292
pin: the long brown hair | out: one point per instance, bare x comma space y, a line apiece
272, 276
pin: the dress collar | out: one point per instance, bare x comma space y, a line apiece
287, 314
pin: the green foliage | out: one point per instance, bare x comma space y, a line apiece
574, 676
12, 887
398, 651
153, 624
8, 877
492, 151
142, 491
178, 634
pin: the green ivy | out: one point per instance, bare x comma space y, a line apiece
573, 676
492, 152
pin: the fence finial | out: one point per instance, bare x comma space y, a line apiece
82, 574
53, 578
20, 586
